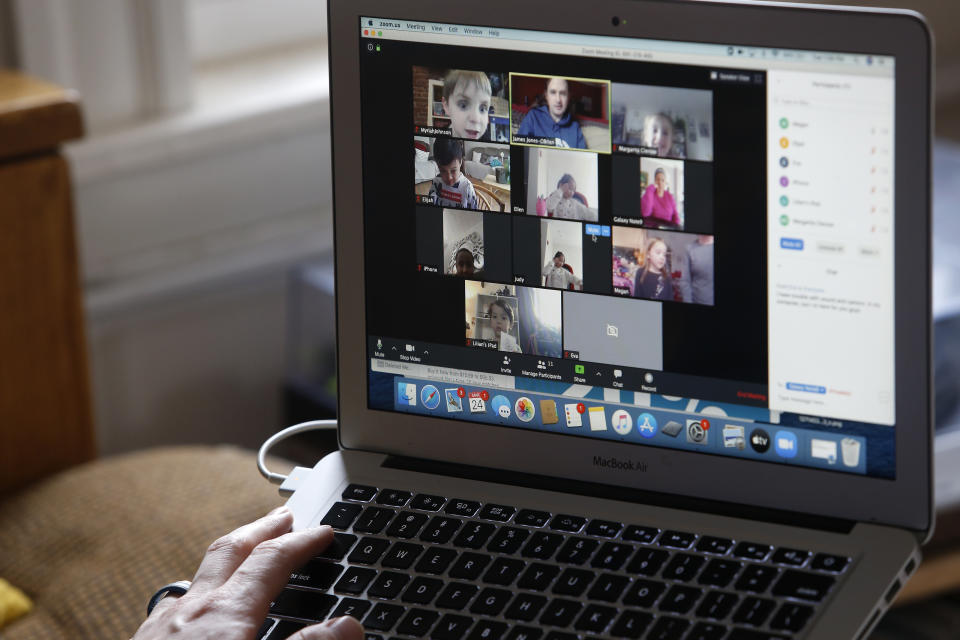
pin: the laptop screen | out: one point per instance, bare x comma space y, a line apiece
666, 244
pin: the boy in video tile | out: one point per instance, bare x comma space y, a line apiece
466, 101
466, 264
502, 317
557, 275
554, 119
653, 281
451, 188
658, 206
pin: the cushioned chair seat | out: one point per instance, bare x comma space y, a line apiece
91, 545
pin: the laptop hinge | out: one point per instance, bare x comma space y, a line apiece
624, 494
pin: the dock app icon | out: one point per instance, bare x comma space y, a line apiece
407, 394
574, 417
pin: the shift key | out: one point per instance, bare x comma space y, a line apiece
803, 585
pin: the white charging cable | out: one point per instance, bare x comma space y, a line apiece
312, 425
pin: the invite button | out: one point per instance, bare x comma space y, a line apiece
796, 244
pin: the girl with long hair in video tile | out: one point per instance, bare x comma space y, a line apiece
653, 281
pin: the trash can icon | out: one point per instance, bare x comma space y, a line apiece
850, 451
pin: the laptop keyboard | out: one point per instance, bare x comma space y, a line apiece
425, 566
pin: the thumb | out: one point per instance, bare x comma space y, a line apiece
343, 628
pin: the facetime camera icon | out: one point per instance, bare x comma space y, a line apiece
613, 331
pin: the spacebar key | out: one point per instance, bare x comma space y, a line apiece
752, 634
803, 585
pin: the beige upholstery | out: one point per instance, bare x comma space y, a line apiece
90, 545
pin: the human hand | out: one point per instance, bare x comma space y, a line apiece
239, 575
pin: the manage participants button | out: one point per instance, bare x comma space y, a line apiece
806, 388
794, 244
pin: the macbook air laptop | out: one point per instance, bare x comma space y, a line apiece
633, 321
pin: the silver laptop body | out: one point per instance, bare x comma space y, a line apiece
767, 438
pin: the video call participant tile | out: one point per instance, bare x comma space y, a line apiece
561, 184
462, 103
662, 194
583, 263
513, 319
560, 112
461, 173
666, 122
466, 244
613, 330
663, 265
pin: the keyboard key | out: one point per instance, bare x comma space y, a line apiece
538, 576
719, 573
368, 551
608, 587
406, 524
756, 578
646, 562
525, 607
355, 580
631, 624
752, 551
612, 556
316, 574
524, 633
677, 539
683, 567
308, 605
668, 628
792, 557
754, 611
497, 512
372, 636
373, 520
560, 635
570, 524
542, 545
393, 498
436, 560
490, 602
803, 585
487, 630
707, 631
388, 585
604, 528
716, 546
456, 595
791, 617
422, 590
508, 540
417, 622
359, 493
504, 571
595, 618
339, 547
451, 627
827, 562
643, 593
531, 518
717, 605
427, 502
341, 515
474, 535
351, 607
577, 550
573, 582
459, 507
439, 530
560, 613
469, 566
383, 617
680, 599
401, 555
636, 533
751, 634
283, 630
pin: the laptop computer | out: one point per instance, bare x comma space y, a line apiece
644, 350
